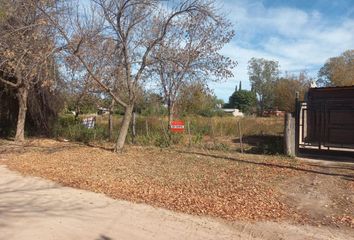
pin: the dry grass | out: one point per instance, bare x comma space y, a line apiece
261, 135
231, 186
212, 126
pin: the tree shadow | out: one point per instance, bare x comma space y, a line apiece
110, 149
340, 167
13, 147
103, 237
56, 149
27, 198
263, 144
349, 177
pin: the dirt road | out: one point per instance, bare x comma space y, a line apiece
33, 208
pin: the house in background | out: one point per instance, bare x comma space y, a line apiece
102, 111
234, 111
273, 113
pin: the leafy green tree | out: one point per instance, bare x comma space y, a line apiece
243, 100
262, 74
86, 103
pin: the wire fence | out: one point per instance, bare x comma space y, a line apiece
210, 132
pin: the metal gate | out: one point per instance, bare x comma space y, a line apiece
325, 127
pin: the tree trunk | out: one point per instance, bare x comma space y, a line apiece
22, 95
133, 127
261, 103
77, 112
124, 129
110, 120
170, 117
170, 107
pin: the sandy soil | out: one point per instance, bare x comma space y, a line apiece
320, 198
33, 208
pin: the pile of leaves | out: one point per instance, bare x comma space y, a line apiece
232, 187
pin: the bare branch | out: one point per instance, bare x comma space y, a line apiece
14, 85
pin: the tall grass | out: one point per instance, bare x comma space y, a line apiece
211, 132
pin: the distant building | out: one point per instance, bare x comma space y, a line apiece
234, 111
102, 111
273, 113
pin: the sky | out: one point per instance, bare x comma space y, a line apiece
301, 35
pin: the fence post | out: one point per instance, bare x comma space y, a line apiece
110, 120
147, 128
289, 135
240, 135
212, 133
297, 123
189, 134
165, 132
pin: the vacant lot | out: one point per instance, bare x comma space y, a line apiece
260, 135
226, 185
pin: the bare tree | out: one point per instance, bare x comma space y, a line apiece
191, 54
136, 27
26, 52
96, 52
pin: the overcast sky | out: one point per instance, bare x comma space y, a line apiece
300, 34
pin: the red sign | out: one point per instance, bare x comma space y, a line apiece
177, 126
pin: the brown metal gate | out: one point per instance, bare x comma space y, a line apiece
325, 122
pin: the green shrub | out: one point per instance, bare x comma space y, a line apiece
197, 138
267, 144
67, 127
177, 138
162, 141
220, 147
67, 120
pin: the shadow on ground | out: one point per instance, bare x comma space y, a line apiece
349, 177
22, 198
262, 144
103, 237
